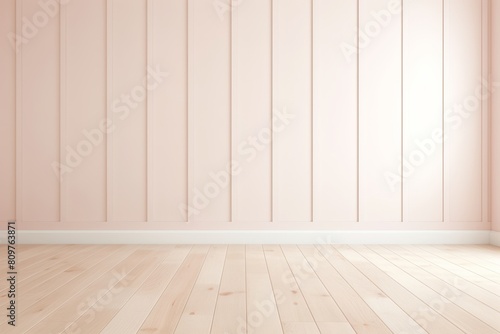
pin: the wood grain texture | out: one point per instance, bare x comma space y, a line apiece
230, 311
238, 289
199, 310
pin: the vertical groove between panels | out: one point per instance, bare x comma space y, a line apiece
490, 108
272, 109
19, 118
16, 60
312, 110
484, 114
481, 114
149, 113
62, 108
187, 113
443, 196
357, 113
65, 100
231, 111
402, 109
109, 93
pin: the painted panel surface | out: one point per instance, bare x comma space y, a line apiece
167, 110
319, 133
209, 108
252, 110
84, 101
8, 113
128, 108
423, 111
292, 146
379, 109
463, 112
335, 107
39, 111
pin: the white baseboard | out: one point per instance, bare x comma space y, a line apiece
254, 237
495, 238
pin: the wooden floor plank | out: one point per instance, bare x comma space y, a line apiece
230, 311
295, 309
165, 315
262, 300
421, 313
464, 320
200, 307
323, 307
79, 263
449, 292
485, 252
459, 283
335, 327
78, 278
132, 315
55, 271
252, 289
472, 266
27, 267
47, 266
300, 328
112, 280
486, 262
359, 314
391, 314
147, 282
464, 273
33, 278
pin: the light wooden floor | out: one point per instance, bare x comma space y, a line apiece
255, 289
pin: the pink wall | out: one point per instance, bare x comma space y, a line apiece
7, 114
495, 119
141, 105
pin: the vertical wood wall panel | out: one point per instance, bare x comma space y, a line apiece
463, 110
128, 106
379, 109
168, 110
85, 108
236, 70
8, 114
63, 121
486, 146
335, 111
209, 111
292, 68
40, 117
423, 110
252, 110
495, 117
